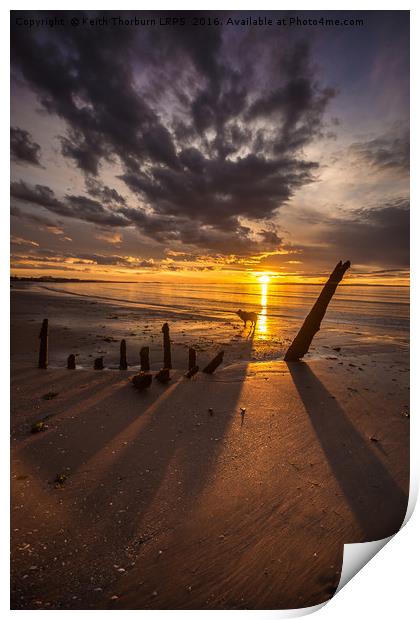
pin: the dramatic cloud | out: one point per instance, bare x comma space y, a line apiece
22, 148
238, 239
207, 147
79, 207
104, 193
378, 236
371, 237
387, 152
213, 145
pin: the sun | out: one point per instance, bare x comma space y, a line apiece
264, 279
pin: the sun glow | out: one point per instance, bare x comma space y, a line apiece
264, 279
262, 318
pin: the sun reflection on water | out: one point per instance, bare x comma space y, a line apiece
262, 318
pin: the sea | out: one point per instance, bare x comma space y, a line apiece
359, 317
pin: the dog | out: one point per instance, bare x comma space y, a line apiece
248, 316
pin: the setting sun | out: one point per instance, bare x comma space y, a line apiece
264, 279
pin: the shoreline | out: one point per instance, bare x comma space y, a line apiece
29, 280
106, 322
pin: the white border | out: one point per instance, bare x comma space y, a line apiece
387, 586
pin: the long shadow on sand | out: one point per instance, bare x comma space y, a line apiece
171, 455
156, 449
377, 502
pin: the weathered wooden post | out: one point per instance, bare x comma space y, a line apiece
43, 346
192, 358
144, 359
312, 323
215, 362
98, 364
192, 363
167, 361
123, 355
71, 362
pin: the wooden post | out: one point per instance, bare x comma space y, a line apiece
167, 361
98, 364
144, 359
312, 323
192, 363
43, 346
215, 362
192, 371
123, 355
71, 362
192, 358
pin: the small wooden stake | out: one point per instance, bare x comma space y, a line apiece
215, 362
192, 358
98, 364
71, 362
123, 355
43, 347
312, 323
163, 376
167, 361
144, 359
142, 381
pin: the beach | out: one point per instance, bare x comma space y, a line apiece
235, 490
89, 320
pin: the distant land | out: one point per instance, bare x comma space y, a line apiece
52, 279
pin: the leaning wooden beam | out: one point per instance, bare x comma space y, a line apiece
43, 345
215, 362
123, 355
192, 363
144, 359
312, 323
167, 361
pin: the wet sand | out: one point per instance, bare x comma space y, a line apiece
174, 499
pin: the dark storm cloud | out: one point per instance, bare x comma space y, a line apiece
202, 140
18, 263
234, 239
31, 217
92, 211
39, 195
22, 147
377, 236
78, 207
297, 101
103, 193
387, 152
116, 260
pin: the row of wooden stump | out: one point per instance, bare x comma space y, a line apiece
163, 375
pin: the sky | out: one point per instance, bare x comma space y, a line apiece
219, 151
